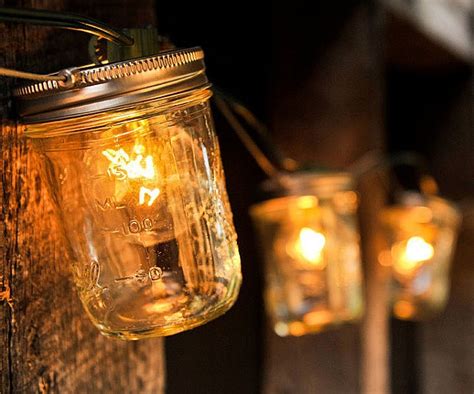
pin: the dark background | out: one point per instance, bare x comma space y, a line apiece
264, 54
225, 356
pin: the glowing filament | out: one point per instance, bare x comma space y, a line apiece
309, 245
151, 193
416, 250
122, 166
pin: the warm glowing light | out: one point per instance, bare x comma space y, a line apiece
415, 251
418, 249
307, 202
385, 258
310, 245
297, 328
151, 193
123, 166
404, 309
134, 166
281, 329
423, 214
318, 318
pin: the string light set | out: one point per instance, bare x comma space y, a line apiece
131, 156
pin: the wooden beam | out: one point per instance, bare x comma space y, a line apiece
327, 109
47, 343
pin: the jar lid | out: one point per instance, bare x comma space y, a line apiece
422, 207
95, 89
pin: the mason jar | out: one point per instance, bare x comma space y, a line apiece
132, 160
310, 241
422, 232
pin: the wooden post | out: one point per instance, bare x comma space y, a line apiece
446, 342
328, 110
47, 344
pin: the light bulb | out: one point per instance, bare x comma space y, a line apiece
418, 250
411, 254
309, 247
134, 166
421, 231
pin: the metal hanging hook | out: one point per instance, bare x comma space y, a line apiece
377, 160
62, 21
65, 21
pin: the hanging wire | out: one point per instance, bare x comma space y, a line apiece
273, 163
262, 160
62, 21
377, 160
268, 157
65, 21
6, 72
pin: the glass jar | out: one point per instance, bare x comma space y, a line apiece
421, 231
132, 161
310, 241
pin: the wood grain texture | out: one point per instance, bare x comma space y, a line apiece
328, 111
47, 344
446, 342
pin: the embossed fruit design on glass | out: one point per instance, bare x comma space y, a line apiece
310, 242
133, 164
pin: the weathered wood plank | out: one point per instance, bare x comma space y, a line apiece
446, 342
328, 110
47, 343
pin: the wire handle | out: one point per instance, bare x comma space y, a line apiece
376, 160
266, 154
65, 21
62, 21
6, 72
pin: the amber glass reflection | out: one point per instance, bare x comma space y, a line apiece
421, 232
142, 197
310, 243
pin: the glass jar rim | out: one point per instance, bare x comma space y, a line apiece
321, 183
425, 207
156, 108
315, 184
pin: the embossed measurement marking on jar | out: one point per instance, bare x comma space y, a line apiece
91, 274
137, 226
97, 176
134, 226
108, 204
154, 274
